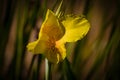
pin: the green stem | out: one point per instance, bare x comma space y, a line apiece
46, 69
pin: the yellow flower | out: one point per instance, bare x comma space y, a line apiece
54, 33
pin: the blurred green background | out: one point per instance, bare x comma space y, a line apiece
95, 57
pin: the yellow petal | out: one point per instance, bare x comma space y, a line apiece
53, 56
62, 50
75, 28
31, 46
37, 47
51, 27
56, 54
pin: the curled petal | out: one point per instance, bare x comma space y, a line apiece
75, 28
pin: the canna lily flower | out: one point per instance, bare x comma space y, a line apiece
54, 34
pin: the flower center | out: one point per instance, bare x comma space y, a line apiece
51, 44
